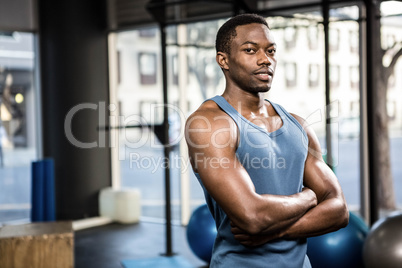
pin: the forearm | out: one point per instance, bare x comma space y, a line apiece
331, 213
328, 216
274, 213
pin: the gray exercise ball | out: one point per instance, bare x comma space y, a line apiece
383, 245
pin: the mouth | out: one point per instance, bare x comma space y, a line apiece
264, 74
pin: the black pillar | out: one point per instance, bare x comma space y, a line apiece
167, 147
371, 103
74, 84
328, 122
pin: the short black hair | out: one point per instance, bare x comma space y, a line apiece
227, 32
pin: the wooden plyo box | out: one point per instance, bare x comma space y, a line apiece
37, 245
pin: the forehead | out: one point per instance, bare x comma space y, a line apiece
254, 32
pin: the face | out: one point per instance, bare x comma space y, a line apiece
252, 61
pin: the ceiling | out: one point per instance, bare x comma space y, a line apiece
125, 14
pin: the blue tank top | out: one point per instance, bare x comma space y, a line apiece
275, 163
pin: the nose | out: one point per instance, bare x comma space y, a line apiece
264, 59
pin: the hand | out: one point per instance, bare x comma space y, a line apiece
251, 240
311, 195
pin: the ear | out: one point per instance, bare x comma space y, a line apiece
222, 59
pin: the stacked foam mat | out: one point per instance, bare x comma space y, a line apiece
43, 191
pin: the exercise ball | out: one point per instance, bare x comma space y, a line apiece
383, 246
201, 233
342, 248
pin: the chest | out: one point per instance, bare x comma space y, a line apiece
269, 123
274, 161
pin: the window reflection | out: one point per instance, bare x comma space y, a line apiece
313, 75
313, 37
334, 39
291, 74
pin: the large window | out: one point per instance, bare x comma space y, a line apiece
18, 124
345, 94
301, 89
138, 98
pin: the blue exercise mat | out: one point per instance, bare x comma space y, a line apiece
163, 262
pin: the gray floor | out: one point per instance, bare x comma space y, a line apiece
106, 246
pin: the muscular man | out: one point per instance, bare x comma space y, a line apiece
261, 169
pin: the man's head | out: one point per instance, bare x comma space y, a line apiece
246, 53
227, 31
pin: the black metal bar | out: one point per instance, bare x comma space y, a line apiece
328, 132
372, 157
191, 45
162, 4
200, 18
152, 5
264, 12
302, 6
363, 156
166, 148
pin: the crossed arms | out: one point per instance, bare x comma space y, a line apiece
256, 219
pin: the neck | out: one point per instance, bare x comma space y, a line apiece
245, 102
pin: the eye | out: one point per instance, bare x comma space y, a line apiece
249, 50
272, 51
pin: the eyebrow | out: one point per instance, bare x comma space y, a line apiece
249, 42
255, 44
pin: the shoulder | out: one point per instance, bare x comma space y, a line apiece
207, 115
304, 124
301, 121
209, 123
313, 142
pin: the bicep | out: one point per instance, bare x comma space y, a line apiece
317, 174
213, 157
225, 179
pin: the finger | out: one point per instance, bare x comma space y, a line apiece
242, 237
247, 243
236, 230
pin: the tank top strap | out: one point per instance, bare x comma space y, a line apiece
229, 109
285, 114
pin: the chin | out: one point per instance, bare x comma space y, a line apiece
262, 89
257, 88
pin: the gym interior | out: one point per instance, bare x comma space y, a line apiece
94, 169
